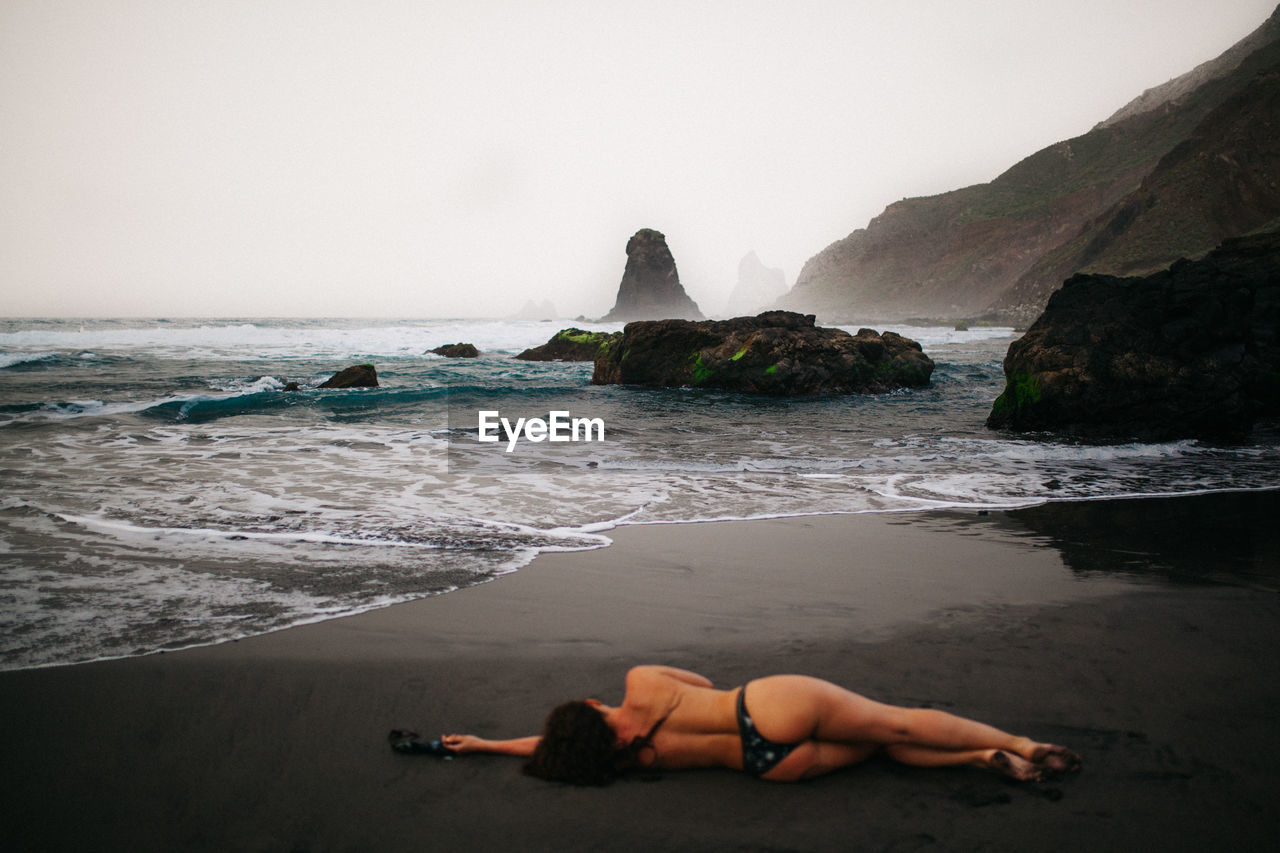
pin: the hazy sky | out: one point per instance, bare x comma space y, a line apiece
407, 159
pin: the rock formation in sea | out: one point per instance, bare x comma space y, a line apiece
459, 350
356, 376
1189, 352
778, 352
757, 288
1171, 175
650, 287
536, 311
571, 345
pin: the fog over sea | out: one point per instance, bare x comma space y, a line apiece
160, 489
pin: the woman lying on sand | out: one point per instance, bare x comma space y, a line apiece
797, 728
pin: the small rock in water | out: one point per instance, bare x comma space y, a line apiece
458, 350
571, 345
356, 376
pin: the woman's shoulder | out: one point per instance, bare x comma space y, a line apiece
647, 674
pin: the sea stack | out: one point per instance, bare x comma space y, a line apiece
758, 287
650, 288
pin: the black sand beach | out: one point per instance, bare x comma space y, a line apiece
1142, 633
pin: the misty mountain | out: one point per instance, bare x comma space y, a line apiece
757, 287
536, 311
1170, 175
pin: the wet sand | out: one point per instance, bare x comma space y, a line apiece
1142, 633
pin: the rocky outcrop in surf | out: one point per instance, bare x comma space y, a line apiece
778, 353
356, 376
1189, 352
650, 287
571, 345
458, 350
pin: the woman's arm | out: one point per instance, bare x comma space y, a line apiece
512, 746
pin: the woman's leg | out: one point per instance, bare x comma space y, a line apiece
990, 759
815, 758
792, 708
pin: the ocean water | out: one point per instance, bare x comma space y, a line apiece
159, 488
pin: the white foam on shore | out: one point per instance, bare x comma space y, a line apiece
108, 525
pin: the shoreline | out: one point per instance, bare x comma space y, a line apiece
1088, 625
608, 532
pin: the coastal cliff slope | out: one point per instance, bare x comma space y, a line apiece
998, 250
1222, 181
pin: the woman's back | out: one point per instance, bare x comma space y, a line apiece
698, 724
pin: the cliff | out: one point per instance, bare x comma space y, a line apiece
999, 249
1222, 181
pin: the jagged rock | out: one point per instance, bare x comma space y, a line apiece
291, 386
457, 351
1192, 351
571, 345
777, 352
650, 287
356, 376
758, 287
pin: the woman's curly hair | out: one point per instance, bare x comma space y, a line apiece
580, 748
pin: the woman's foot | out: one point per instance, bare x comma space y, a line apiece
1055, 759
1033, 762
1014, 766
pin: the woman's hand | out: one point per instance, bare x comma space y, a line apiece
464, 743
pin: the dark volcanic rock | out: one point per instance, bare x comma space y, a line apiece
357, 376
778, 352
650, 287
571, 345
1192, 351
457, 351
